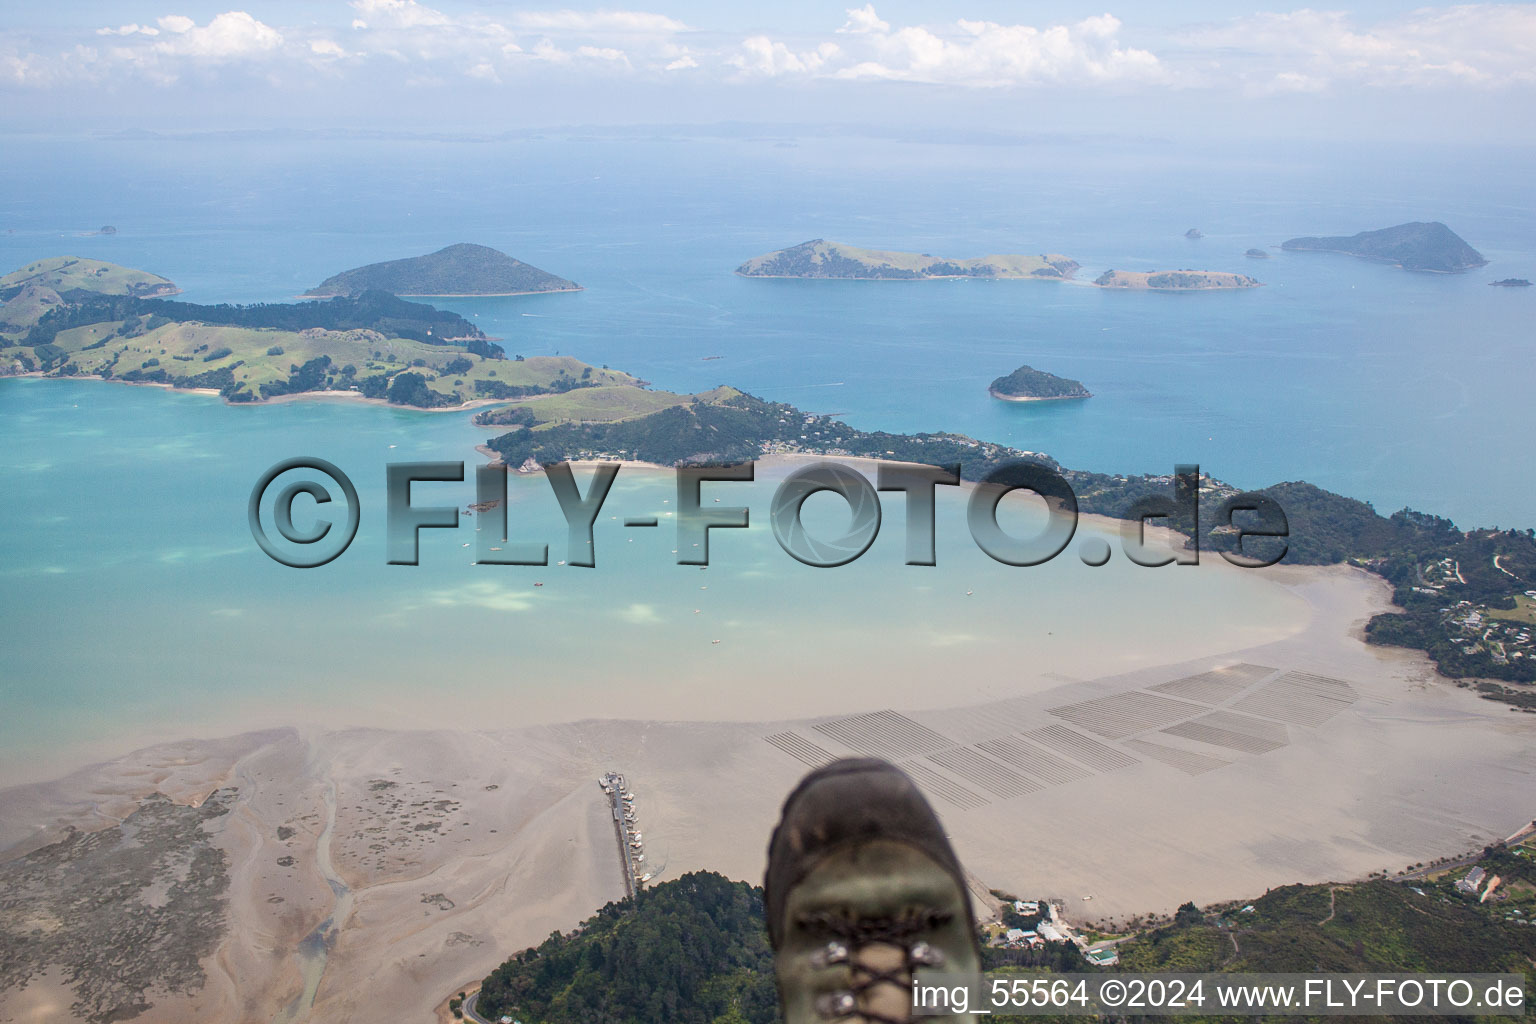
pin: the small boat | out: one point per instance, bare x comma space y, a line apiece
540, 584
714, 641
968, 593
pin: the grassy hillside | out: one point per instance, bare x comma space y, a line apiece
72, 278
822, 259
604, 404
261, 363
462, 269
72, 317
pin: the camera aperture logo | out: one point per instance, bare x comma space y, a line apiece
329, 530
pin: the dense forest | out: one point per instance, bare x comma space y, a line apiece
372, 310
689, 951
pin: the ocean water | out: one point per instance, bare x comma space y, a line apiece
137, 603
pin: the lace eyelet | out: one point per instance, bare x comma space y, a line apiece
832, 953
836, 1004
924, 955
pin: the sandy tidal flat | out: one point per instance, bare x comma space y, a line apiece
424, 858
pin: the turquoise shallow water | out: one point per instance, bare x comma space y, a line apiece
137, 602
141, 607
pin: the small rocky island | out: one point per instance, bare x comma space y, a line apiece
1194, 234
1174, 280
1256, 254
462, 269
1027, 384
820, 259
1420, 245
1511, 282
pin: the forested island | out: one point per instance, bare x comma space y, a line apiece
1419, 245
1174, 280
1511, 282
372, 345
462, 269
1027, 384
820, 259
1257, 254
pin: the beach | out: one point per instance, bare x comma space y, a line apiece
454, 848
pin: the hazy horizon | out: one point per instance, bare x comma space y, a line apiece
1372, 72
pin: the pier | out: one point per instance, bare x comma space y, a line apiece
626, 831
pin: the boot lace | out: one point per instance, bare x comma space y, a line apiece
848, 939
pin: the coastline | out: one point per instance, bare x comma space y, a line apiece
325, 396
925, 277
1385, 259
523, 846
450, 295
1036, 398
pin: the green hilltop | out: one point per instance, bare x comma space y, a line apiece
72, 278
462, 269
1415, 246
822, 259
374, 344
1027, 384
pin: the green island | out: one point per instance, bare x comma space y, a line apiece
1174, 280
462, 269
693, 950
1511, 282
69, 280
1027, 384
1420, 245
820, 259
372, 345
1257, 254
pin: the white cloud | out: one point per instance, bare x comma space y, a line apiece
396, 14
128, 30
966, 53
760, 55
598, 22
864, 19
326, 48
413, 44
230, 35
1475, 44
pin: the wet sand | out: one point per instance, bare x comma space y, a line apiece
1310, 758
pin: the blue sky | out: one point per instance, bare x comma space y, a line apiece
1382, 69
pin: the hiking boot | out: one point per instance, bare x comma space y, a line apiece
862, 889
